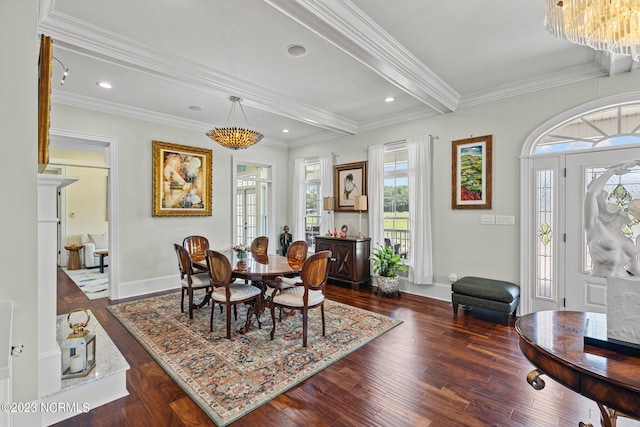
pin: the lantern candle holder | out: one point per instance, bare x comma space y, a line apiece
79, 349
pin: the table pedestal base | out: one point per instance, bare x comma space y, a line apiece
608, 416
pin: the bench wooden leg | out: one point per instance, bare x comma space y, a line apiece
455, 308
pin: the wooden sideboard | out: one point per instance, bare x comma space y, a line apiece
350, 259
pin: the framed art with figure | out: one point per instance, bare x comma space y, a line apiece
471, 173
181, 180
349, 181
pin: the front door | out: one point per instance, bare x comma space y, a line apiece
584, 292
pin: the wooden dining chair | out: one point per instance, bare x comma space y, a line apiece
196, 246
298, 251
226, 293
305, 295
260, 245
190, 281
296, 255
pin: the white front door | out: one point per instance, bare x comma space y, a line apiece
583, 292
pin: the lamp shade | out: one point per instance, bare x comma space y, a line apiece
329, 203
360, 203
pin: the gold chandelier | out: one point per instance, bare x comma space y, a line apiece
611, 25
235, 137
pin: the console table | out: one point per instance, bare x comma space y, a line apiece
553, 341
350, 259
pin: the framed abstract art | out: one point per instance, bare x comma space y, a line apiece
181, 180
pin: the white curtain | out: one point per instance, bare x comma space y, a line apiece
421, 255
375, 195
326, 177
298, 201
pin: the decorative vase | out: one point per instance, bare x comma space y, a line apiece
241, 265
388, 285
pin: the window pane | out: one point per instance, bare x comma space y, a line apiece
396, 200
612, 126
313, 203
544, 223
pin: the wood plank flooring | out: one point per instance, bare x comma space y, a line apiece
433, 370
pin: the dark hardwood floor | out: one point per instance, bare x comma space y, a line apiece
433, 370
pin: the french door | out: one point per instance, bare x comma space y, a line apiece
563, 266
246, 215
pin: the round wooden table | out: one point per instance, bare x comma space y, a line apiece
553, 341
74, 262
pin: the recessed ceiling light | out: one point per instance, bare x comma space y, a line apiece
296, 50
285, 130
195, 108
104, 85
389, 99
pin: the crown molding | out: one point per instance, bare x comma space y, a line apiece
114, 108
547, 81
82, 38
394, 119
345, 26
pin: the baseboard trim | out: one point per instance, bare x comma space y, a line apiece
148, 286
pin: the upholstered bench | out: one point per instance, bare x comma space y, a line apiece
485, 293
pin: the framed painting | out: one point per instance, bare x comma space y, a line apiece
181, 180
44, 100
471, 162
349, 181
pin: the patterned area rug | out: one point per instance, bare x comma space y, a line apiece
229, 378
93, 283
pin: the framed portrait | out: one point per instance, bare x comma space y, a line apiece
471, 162
349, 181
181, 180
44, 100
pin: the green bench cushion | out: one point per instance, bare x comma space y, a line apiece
487, 289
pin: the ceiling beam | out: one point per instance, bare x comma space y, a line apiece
85, 39
345, 26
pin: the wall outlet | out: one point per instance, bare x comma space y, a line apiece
487, 219
505, 220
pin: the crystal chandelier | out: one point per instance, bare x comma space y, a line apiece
235, 137
611, 25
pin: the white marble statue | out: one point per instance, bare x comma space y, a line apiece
612, 253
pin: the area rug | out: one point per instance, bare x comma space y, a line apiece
230, 378
93, 283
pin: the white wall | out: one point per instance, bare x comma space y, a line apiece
461, 244
146, 252
18, 139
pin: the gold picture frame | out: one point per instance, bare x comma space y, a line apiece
181, 180
44, 100
471, 173
349, 180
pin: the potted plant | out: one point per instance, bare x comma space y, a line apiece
386, 266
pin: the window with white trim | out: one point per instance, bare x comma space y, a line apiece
396, 198
313, 185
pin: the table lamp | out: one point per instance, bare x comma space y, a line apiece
360, 204
329, 204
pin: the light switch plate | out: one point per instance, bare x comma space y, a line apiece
487, 219
505, 220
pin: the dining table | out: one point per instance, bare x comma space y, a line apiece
257, 270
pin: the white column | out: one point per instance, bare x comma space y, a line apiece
49, 354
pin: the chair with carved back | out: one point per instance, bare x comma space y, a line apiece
190, 280
305, 295
196, 246
296, 255
260, 245
227, 293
